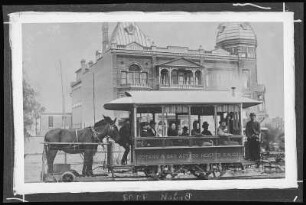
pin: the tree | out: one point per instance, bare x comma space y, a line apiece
274, 135
31, 107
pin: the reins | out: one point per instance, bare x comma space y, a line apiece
96, 133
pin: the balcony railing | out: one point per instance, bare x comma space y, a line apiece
181, 86
135, 85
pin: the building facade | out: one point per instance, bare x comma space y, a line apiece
50, 121
129, 60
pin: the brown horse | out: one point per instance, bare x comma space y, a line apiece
70, 138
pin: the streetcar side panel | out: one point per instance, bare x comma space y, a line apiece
201, 155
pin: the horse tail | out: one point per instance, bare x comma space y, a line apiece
46, 147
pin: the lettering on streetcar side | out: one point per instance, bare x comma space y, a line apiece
185, 156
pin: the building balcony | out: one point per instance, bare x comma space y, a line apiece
182, 86
75, 83
135, 86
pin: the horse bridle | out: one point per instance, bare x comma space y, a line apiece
96, 133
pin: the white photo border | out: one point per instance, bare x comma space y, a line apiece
290, 180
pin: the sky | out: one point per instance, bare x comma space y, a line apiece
47, 45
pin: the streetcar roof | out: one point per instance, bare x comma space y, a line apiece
177, 98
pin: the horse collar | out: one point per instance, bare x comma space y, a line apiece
95, 134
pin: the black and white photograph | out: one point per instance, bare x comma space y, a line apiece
140, 101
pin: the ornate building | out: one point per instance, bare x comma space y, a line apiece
129, 60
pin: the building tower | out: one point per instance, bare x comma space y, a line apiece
240, 39
105, 40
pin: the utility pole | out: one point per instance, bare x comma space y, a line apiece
93, 96
63, 95
63, 105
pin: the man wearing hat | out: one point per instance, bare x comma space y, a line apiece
125, 131
144, 129
185, 131
151, 130
205, 127
252, 132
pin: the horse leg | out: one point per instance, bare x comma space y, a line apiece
124, 157
84, 167
50, 159
89, 163
87, 167
85, 162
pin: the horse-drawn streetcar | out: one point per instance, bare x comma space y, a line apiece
168, 152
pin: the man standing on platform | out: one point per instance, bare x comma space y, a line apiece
252, 132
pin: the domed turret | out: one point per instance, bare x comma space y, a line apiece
237, 38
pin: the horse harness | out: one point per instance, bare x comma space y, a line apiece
94, 135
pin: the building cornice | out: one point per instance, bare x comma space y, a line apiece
174, 55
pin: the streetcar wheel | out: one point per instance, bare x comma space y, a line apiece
151, 172
203, 176
68, 177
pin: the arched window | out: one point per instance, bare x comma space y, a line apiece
174, 77
134, 76
181, 78
164, 77
198, 75
188, 78
144, 78
134, 67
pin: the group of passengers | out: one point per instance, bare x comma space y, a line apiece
224, 131
149, 130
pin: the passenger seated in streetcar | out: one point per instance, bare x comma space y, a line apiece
205, 127
172, 130
181, 142
223, 132
196, 128
185, 131
159, 130
144, 129
151, 129
233, 123
179, 130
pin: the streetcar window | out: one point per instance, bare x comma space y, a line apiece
202, 117
231, 114
176, 117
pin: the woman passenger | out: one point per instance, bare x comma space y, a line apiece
196, 128
172, 130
